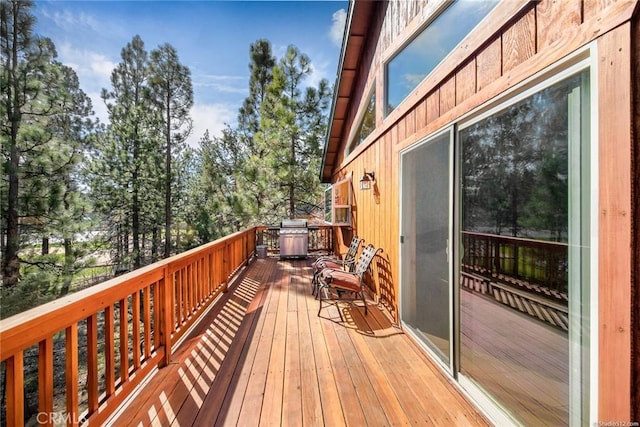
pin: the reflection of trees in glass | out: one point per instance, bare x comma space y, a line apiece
515, 168
369, 119
367, 124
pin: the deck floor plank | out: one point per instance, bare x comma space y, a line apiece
330, 403
262, 356
251, 402
311, 411
358, 368
271, 413
242, 407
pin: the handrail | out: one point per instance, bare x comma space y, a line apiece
158, 304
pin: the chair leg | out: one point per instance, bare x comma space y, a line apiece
365, 303
319, 290
314, 283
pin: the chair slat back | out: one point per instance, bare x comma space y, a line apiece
352, 252
367, 255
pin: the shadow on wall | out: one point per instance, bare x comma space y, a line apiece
386, 292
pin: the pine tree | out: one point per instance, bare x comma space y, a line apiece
172, 93
131, 140
19, 64
46, 115
292, 127
251, 175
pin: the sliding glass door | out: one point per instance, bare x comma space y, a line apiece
525, 242
514, 326
426, 224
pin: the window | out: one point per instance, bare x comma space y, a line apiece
409, 67
367, 122
328, 203
341, 202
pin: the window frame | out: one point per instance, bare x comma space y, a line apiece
336, 195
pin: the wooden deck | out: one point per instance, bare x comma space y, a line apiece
261, 356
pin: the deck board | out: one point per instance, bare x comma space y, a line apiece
262, 356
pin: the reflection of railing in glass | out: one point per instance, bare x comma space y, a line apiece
514, 259
528, 275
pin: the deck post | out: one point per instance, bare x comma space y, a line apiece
225, 268
15, 389
166, 286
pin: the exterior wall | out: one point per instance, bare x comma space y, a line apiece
518, 39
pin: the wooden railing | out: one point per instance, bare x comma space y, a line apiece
533, 261
113, 334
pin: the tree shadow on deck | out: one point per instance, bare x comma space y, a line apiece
202, 366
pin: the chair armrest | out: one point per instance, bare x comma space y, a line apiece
327, 258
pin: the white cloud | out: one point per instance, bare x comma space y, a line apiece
99, 107
336, 33
222, 83
319, 71
93, 68
94, 73
212, 117
69, 21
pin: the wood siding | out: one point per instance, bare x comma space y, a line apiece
517, 40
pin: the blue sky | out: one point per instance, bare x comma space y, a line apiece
212, 38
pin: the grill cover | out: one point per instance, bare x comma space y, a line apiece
293, 223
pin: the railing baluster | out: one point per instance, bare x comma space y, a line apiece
92, 363
109, 352
197, 283
166, 314
193, 302
178, 298
146, 310
124, 340
45, 380
71, 373
186, 294
225, 266
157, 309
135, 321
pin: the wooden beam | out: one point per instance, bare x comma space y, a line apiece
614, 254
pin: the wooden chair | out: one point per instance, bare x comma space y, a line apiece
347, 263
346, 282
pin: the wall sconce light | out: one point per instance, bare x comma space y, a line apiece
366, 180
